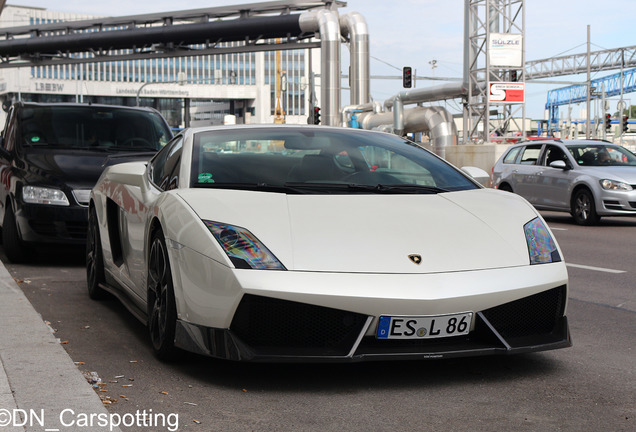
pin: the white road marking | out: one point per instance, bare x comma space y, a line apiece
600, 269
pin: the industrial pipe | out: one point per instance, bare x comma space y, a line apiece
327, 23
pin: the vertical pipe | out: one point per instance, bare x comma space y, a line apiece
466, 77
589, 87
327, 23
354, 25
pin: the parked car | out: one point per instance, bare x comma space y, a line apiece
51, 156
312, 243
587, 178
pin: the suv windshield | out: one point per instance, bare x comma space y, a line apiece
602, 155
108, 128
294, 160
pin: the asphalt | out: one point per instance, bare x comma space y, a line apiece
41, 389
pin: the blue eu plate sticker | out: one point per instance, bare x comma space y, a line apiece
383, 327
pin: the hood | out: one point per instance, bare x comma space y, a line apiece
75, 168
626, 174
468, 230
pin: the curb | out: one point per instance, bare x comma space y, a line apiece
41, 389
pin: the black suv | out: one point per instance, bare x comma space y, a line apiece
51, 156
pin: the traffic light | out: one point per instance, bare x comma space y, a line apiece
625, 126
407, 77
514, 76
316, 115
608, 121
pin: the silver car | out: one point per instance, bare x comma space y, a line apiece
588, 179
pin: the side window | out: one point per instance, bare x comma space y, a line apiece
166, 161
554, 153
511, 157
530, 155
170, 179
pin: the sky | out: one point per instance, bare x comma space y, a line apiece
416, 32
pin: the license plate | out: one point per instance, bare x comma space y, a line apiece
424, 327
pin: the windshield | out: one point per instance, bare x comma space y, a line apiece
106, 128
602, 155
310, 160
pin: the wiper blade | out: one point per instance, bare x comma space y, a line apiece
414, 188
263, 187
378, 188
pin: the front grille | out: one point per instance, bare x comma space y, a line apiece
76, 230
82, 196
281, 327
534, 315
530, 321
612, 205
633, 203
59, 229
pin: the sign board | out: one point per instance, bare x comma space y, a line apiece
506, 92
504, 50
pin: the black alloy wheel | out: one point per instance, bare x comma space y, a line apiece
162, 311
14, 247
583, 208
94, 259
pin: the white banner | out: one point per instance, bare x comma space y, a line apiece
504, 50
506, 92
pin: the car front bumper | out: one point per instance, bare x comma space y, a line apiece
39, 223
262, 315
266, 329
616, 203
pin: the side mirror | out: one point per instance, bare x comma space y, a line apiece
478, 174
559, 164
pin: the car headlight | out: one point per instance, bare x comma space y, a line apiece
42, 195
243, 248
615, 185
541, 246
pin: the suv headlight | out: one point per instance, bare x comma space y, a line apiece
541, 246
42, 195
243, 248
615, 185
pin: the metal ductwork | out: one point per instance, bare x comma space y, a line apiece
355, 26
435, 120
327, 23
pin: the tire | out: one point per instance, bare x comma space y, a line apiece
583, 209
94, 259
162, 311
14, 247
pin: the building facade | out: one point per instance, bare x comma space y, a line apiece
196, 91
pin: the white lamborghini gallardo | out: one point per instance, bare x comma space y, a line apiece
312, 243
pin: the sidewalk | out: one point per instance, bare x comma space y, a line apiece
41, 389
